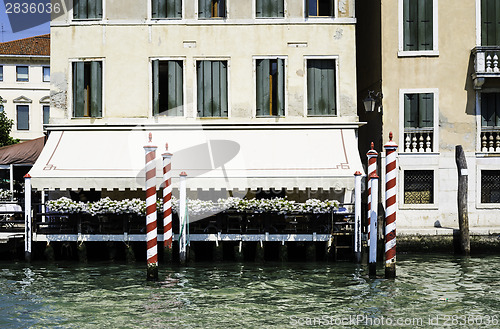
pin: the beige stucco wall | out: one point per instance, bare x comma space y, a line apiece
127, 48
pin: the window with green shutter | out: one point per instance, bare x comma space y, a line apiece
87, 89
269, 8
22, 73
87, 9
168, 88
166, 9
211, 8
270, 87
1, 72
46, 114
320, 8
490, 109
418, 25
419, 110
321, 87
490, 22
212, 88
23, 117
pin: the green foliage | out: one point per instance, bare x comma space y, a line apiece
5, 129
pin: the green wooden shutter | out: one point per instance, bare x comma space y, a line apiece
98, 8
200, 88
258, 8
332, 8
410, 28
497, 109
425, 23
162, 9
488, 109
95, 89
222, 8
411, 110
263, 97
154, 8
175, 88
204, 9
156, 86
91, 8
174, 8
76, 9
281, 9
311, 77
46, 114
223, 89
490, 19
78, 89
281, 87
426, 110
207, 89
83, 12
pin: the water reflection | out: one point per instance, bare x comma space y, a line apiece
227, 295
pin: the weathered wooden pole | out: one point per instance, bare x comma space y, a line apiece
151, 233
372, 260
182, 218
372, 170
357, 216
390, 208
167, 204
463, 217
27, 218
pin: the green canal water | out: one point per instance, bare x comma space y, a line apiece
431, 291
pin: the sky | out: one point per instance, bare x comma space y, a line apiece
7, 34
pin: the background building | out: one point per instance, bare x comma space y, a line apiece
436, 64
25, 84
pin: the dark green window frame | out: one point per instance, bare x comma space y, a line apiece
320, 8
87, 89
23, 117
168, 87
419, 110
46, 114
166, 9
321, 87
211, 8
490, 109
490, 22
212, 88
418, 25
87, 9
269, 8
270, 87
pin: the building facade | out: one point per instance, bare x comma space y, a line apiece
25, 85
436, 65
266, 74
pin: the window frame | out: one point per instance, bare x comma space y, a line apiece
43, 114
435, 138
43, 73
71, 86
306, 10
213, 19
254, 10
484, 164
17, 116
408, 162
71, 14
184, 86
28, 73
285, 86
1, 73
337, 85
195, 88
435, 34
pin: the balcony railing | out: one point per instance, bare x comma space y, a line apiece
490, 139
419, 140
485, 64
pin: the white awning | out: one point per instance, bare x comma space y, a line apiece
215, 157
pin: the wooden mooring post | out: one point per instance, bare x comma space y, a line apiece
463, 217
357, 216
27, 218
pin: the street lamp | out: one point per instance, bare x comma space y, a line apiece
373, 100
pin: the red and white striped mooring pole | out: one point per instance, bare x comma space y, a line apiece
151, 234
167, 203
390, 208
372, 215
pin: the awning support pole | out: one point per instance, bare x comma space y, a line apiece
390, 208
27, 217
11, 182
183, 218
357, 216
151, 235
